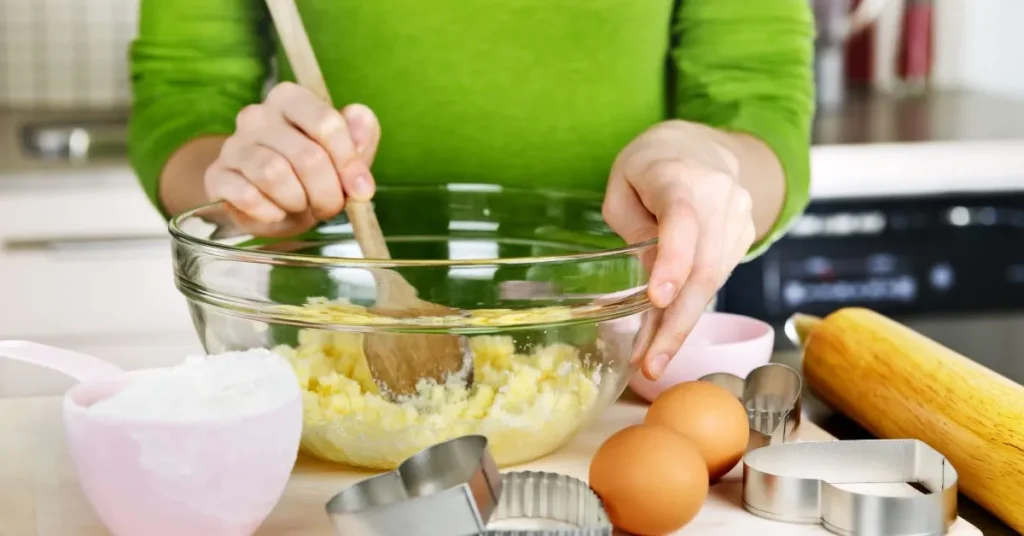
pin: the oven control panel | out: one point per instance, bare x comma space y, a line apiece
898, 256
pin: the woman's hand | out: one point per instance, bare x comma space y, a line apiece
293, 160
678, 183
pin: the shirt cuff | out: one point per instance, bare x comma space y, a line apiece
157, 136
792, 149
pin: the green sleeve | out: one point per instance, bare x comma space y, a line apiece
194, 65
748, 67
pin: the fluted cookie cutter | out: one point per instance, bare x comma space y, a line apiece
772, 396
454, 489
559, 504
810, 483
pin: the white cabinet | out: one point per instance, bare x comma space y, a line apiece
82, 287
85, 264
93, 203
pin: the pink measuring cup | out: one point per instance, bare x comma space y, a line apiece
149, 478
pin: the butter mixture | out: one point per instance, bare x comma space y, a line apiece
341, 312
526, 404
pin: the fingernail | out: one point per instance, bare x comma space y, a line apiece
658, 364
362, 188
358, 126
665, 293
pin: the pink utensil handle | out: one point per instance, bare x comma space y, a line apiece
81, 367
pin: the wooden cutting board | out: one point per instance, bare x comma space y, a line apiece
41, 497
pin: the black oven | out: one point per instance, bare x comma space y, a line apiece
909, 258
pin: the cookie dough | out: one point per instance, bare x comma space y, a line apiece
527, 404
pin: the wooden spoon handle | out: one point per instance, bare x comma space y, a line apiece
295, 41
297, 47
366, 228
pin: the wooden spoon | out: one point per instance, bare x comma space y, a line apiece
397, 361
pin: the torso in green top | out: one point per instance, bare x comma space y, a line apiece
552, 105
519, 92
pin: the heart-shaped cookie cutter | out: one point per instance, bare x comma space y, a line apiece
803, 483
451, 488
772, 396
454, 489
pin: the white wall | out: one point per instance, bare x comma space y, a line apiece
980, 45
72, 52
63, 53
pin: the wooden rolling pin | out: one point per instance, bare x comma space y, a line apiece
897, 384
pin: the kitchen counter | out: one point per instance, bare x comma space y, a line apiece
944, 116
818, 413
875, 145
43, 496
865, 118
843, 428
104, 130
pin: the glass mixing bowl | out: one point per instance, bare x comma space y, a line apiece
549, 298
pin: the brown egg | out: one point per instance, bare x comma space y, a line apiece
709, 415
651, 479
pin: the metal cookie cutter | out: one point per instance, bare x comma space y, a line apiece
559, 505
449, 489
454, 489
803, 483
771, 393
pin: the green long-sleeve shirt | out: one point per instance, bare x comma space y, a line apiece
520, 92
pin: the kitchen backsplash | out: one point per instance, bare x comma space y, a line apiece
72, 53
65, 53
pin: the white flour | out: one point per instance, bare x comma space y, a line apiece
223, 386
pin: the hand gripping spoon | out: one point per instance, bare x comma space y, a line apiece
397, 361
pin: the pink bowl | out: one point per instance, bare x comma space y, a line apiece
213, 478
720, 342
